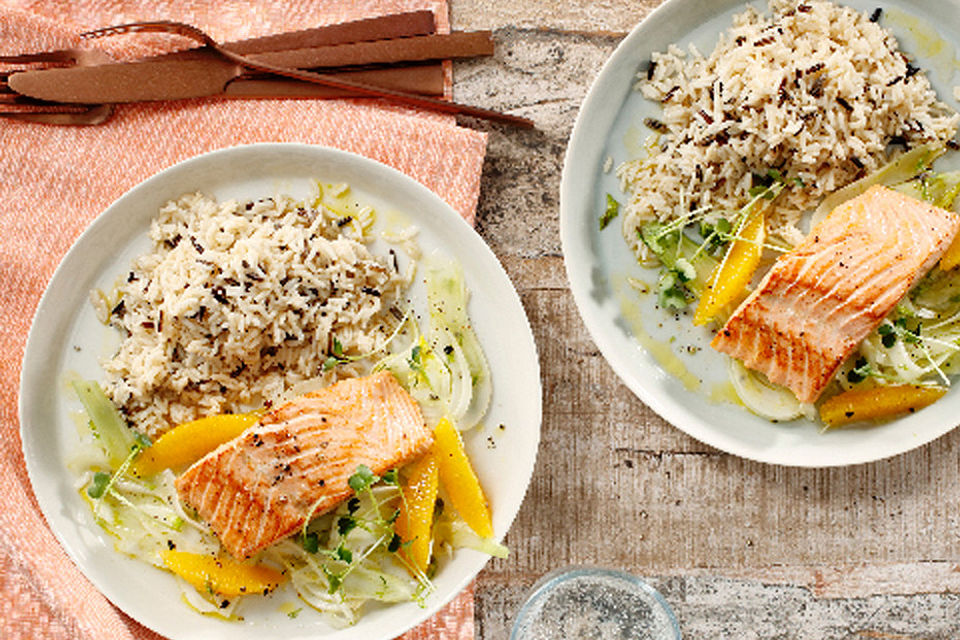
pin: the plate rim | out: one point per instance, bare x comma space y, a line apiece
26, 391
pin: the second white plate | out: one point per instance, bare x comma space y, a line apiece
631, 332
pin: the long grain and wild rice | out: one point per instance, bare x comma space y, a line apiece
237, 302
816, 91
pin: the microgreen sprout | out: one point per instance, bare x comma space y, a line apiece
99, 485
395, 543
365, 511
346, 524
99, 488
337, 355
860, 372
371, 520
343, 554
310, 542
362, 479
907, 327
888, 335
334, 580
141, 441
352, 505
908, 335
679, 254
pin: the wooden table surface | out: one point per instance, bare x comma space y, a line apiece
739, 549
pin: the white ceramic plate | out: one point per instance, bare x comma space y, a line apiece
66, 338
610, 125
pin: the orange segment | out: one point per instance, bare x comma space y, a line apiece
729, 278
416, 513
873, 404
951, 257
222, 575
460, 480
186, 443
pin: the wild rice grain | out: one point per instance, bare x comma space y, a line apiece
219, 346
834, 58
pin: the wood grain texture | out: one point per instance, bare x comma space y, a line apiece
591, 17
739, 549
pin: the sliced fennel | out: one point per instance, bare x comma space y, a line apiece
355, 559
108, 426
900, 170
451, 334
459, 534
939, 189
768, 400
445, 369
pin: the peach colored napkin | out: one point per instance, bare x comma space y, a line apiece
55, 180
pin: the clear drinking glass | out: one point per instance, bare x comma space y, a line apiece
584, 603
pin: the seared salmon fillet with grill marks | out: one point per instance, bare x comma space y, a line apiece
296, 462
820, 300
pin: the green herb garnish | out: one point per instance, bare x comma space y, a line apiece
345, 524
310, 542
362, 479
344, 554
141, 441
395, 543
352, 505
860, 372
610, 212
673, 295
99, 485
888, 335
334, 579
908, 335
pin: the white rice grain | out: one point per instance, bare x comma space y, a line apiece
237, 302
816, 91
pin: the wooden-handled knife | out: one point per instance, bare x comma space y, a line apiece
202, 72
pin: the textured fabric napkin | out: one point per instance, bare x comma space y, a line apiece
55, 180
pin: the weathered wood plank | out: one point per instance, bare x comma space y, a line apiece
741, 550
542, 75
579, 15
719, 607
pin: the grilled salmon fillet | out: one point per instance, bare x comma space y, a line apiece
296, 462
820, 300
